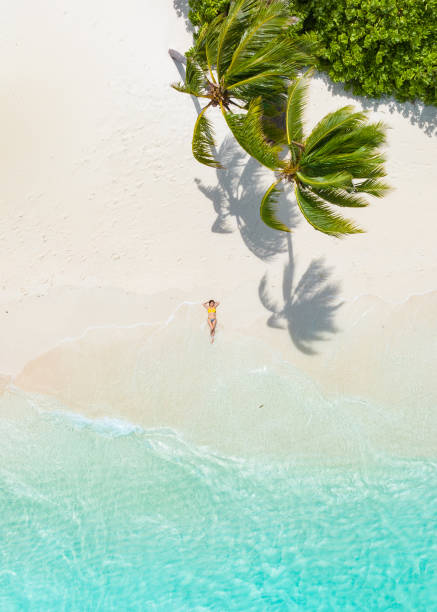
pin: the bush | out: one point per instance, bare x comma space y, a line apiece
378, 46
375, 47
204, 11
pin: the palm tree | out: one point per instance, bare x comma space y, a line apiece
339, 160
239, 57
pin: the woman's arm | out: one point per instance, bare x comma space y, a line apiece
216, 304
205, 305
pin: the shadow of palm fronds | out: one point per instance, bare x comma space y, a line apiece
236, 199
308, 308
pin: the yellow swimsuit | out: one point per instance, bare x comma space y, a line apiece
210, 310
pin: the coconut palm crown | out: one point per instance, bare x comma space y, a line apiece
237, 58
331, 167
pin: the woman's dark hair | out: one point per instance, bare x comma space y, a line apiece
211, 302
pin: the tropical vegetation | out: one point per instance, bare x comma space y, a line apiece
379, 47
239, 57
336, 165
244, 60
375, 47
204, 11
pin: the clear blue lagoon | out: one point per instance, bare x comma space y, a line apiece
101, 515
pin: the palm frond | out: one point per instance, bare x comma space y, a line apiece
273, 127
211, 42
194, 80
262, 76
179, 86
282, 52
366, 138
366, 168
277, 62
320, 216
343, 119
306, 46
270, 85
338, 179
248, 132
269, 209
233, 27
203, 32
297, 97
360, 163
340, 197
205, 43
371, 168
203, 141
374, 187
269, 21
198, 51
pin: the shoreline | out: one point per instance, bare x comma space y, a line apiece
68, 313
116, 426
122, 371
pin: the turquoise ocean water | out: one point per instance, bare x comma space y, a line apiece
101, 515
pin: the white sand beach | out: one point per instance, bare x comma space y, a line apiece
112, 235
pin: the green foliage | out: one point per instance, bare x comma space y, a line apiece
248, 131
204, 11
244, 60
337, 161
378, 46
203, 141
294, 109
321, 216
269, 209
194, 80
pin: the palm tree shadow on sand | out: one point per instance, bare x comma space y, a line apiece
309, 306
236, 198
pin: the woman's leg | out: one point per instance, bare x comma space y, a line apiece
214, 323
212, 327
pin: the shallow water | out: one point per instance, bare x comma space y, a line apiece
239, 396
102, 515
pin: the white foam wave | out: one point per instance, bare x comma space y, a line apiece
109, 426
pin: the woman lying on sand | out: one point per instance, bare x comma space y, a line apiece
212, 319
